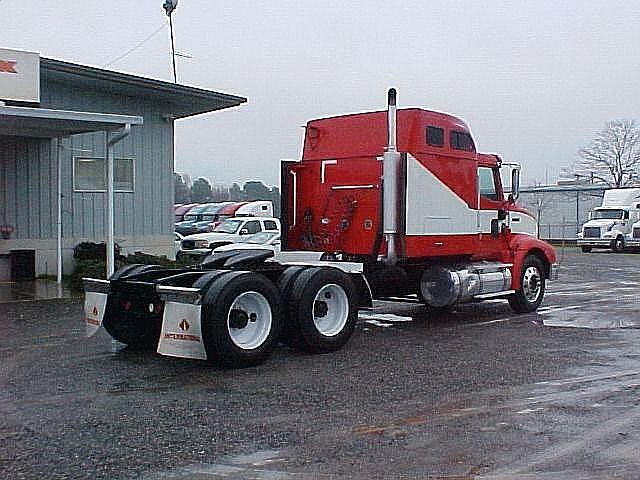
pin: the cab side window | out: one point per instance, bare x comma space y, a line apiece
252, 227
487, 183
270, 225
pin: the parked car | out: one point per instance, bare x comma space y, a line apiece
262, 240
225, 212
229, 231
194, 215
178, 240
179, 211
207, 216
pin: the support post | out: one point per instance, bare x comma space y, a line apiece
59, 148
111, 141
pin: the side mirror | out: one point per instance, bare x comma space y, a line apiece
515, 184
244, 231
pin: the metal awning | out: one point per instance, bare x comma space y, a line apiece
47, 123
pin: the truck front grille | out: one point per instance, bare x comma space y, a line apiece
636, 233
591, 232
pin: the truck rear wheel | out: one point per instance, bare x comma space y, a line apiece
532, 286
241, 319
322, 310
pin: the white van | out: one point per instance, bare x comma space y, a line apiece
260, 208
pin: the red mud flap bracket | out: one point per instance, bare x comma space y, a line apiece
181, 333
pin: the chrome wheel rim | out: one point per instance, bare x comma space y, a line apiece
249, 320
330, 310
532, 284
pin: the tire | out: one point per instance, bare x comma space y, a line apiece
241, 319
285, 284
585, 249
618, 244
322, 311
532, 286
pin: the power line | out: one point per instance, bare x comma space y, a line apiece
135, 47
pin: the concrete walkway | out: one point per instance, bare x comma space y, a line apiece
33, 291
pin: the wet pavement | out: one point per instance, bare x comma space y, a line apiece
476, 393
34, 290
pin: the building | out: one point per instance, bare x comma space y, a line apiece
561, 209
56, 122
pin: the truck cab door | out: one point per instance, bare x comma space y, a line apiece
492, 214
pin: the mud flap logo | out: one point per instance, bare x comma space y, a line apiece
94, 306
181, 334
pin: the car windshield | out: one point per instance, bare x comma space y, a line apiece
228, 226
209, 217
192, 217
260, 238
608, 214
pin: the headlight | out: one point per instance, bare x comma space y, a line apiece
201, 244
610, 227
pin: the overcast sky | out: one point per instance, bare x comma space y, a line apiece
534, 80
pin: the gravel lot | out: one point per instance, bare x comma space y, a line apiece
478, 393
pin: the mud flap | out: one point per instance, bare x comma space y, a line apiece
181, 333
95, 303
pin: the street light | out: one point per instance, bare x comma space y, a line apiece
169, 6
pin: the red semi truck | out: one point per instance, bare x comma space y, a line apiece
382, 204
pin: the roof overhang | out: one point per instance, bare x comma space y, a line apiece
179, 100
46, 123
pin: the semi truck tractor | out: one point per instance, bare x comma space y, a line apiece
610, 225
393, 203
633, 238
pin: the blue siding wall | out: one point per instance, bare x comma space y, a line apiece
28, 172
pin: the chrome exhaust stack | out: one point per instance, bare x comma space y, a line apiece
391, 165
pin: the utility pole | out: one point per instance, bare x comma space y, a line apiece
169, 7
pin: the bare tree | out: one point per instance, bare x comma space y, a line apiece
613, 157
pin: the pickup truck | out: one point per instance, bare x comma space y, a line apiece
197, 246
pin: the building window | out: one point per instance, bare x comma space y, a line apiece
435, 136
462, 141
90, 175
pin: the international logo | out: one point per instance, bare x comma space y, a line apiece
184, 325
7, 66
95, 310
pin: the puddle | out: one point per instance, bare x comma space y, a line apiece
383, 320
570, 317
384, 317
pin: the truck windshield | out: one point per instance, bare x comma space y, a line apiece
608, 214
228, 226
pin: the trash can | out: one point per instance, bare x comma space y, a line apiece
23, 265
